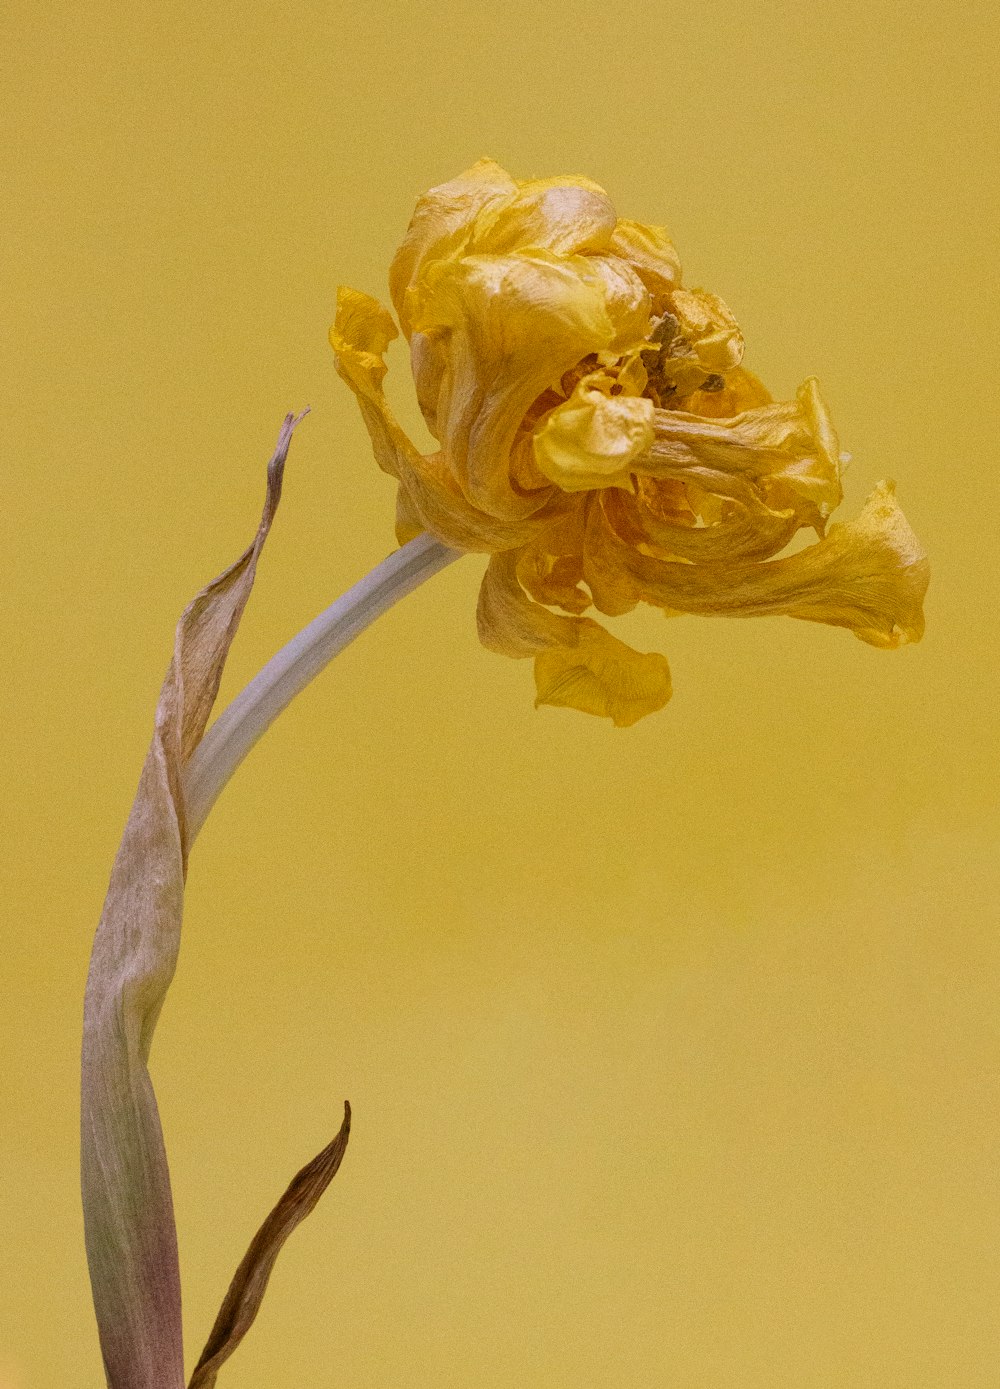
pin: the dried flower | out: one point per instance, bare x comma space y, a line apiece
601, 440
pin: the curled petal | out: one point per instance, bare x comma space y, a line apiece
592, 440
601, 675
596, 427
361, 332
550, 568
484, 211
578, 664
509, 622
603, 280
709, 327
869, 575
441, 223
626, 299
788, 447
651, 255
567, 216
697, 343
612, 586
359, 336
740, 391
745, 528
428, 362
514, 325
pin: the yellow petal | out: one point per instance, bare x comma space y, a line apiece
709, 327
361, 332
514, 325
789, 448
869, 575
434, 501
485, 211
509, 622
612, 585
650, 253
408, 522
577, 663
442, 221
592, 440
626, 304
741, 391
601, 675
626, 299
564, 215
428, 363
550, 568
744, 527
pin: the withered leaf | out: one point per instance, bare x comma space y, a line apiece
246, 1291
128, 1210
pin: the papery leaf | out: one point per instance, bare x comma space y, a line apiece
128, 1211
246, 1291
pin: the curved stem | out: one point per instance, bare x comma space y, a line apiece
252, 712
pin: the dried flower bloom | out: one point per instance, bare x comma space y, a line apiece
601, 440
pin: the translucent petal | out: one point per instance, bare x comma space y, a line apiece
509, 622
428, 363
740, 391
789, 448
707, 324
601, 675
592, 440
595, 421
408, 522
626, 304
650, 253
359, 336
550, 568
514, 325
744, 529
566, 216
612, 585
441, 224
577, 663
869, 575
626, 299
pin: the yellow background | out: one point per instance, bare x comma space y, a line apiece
673, 1051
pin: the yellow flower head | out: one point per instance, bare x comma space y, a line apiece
600, 439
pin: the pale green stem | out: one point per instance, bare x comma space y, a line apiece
252, 712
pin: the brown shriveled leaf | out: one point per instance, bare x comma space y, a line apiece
246, 1291
127, 1206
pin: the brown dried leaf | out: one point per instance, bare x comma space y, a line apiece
128, 1211
246, 1291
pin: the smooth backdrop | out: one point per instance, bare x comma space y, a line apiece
673, 1051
